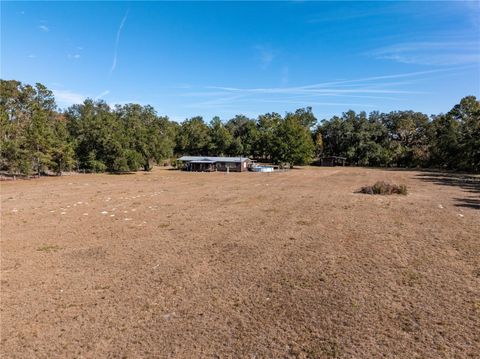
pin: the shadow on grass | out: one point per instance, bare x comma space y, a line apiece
467, 182
468, 202
121, 173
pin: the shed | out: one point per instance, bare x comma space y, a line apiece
332, 161
212, 164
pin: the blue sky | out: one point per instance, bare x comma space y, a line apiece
227, 58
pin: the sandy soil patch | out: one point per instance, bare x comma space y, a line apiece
241, 265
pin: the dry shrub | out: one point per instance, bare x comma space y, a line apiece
384, 188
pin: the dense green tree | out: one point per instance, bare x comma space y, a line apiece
245, 134
14, 121
193, 137
396, 138
292, 141
444, 137
407, 132
31, 132
305, 116
266, 128
147, 138
124, 139
467, 114
98, 135
332, 132
220, 138
36, 138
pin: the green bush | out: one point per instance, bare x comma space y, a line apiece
120, 164
384, 188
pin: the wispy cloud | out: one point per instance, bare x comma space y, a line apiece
314, 91
102, 94
75, 54
117, 41
471, 10
32, 56
346, 92
265, 54
370, 79
218, 102
439, 53
44, 28
344, 14
67, 98
391, 10
233, 102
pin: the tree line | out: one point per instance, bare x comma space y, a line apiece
38, 138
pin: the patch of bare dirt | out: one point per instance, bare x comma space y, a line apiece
241, 265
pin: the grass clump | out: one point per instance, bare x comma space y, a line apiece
48, 248
384, 188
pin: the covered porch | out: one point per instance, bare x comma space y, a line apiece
202, 166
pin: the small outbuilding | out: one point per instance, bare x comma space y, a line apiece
332, 161
213, 164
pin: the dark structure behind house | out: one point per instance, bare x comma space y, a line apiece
212, 164
332, 161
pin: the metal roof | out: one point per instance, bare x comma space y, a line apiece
211, 159
337, 157
203, 161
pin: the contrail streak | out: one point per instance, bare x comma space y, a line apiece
117, 41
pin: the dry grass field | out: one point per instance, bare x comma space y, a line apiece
241, 265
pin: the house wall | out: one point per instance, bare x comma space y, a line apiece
219, 166
232, 166
202, 167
